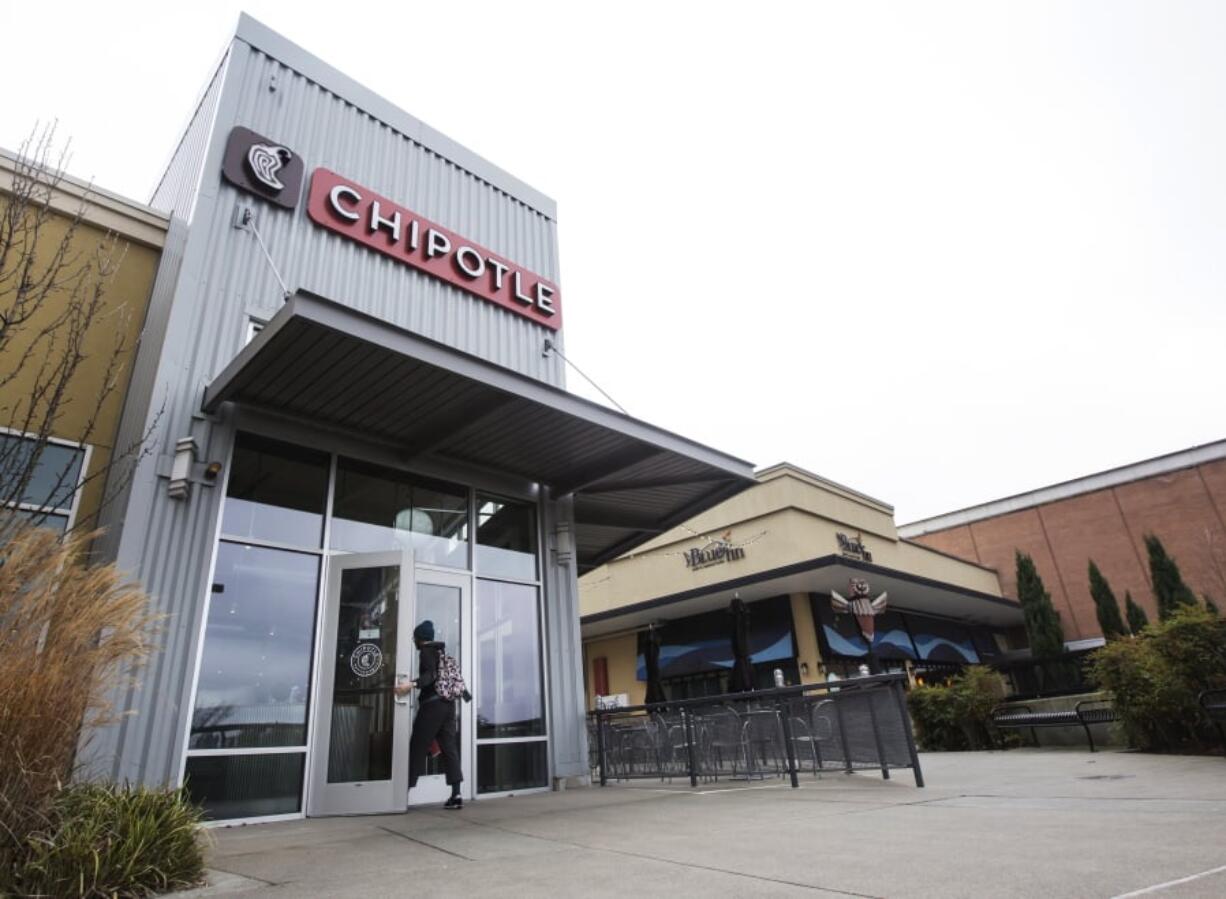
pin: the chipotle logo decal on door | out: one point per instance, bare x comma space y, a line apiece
340, 205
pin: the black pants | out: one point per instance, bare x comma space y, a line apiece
435, 721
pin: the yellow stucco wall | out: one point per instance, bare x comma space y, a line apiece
807, 650
138, 235
786, 536
622, 655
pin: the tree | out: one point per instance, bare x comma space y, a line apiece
1105, 606
62, 341
1212, 606
1169, 589
1042, 621
1137, 619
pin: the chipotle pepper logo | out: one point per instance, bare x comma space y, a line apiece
361, 215
263, 167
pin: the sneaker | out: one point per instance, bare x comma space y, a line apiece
454, 802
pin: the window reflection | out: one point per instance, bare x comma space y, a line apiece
443, 605
942, 641
364, 666
378, 508
276, 492
512, 766
54, 476
255, 670
506, 538
246, 786
510, 695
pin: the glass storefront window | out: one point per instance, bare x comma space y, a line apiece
512, 766
276, 492
510, 691
444, 606
891, 640
255, 673
942, 641
246, 786
377, 508
256, 660
363, 670
506, 538
703, 642
840, 633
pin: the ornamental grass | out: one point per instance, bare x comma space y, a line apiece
71, 638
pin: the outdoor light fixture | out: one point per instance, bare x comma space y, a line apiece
212, 470
564, 544
181, 469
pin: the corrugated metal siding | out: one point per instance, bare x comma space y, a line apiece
326, 131
176, 191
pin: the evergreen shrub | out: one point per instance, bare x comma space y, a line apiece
957, 716
1156, 678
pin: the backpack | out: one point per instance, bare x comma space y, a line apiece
449, 683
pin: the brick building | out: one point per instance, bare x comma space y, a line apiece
1180, 497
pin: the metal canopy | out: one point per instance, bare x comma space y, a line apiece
323, 362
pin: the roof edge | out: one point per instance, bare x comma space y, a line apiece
785, 571
1111, 477
263, 38
102, 208
331, 314
781, 468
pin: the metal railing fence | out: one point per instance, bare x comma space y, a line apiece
848, 725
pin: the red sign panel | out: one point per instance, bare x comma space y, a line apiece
340, 205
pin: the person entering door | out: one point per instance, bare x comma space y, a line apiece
436, 716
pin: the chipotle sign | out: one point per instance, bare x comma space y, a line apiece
340, 205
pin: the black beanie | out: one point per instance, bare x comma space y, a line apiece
424, 632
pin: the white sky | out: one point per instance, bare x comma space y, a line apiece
939, 252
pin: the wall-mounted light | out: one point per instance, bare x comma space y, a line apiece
181, 469
564, 543
211, 471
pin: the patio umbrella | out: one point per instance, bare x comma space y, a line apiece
651, 658
742, 669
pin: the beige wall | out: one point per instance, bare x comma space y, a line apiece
807, 651
622, 655
791, 534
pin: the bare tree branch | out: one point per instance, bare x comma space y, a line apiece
56, 315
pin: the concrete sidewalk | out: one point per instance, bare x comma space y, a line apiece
1020, 823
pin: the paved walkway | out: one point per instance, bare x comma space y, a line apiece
1021, 823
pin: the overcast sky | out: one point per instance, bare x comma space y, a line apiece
939, 252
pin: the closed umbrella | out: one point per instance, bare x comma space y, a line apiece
742, 668
651, 657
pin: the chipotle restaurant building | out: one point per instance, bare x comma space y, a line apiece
358, 423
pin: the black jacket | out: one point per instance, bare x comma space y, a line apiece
427, 671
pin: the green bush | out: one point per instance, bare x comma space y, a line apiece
1155, 679
103, 840
957, 716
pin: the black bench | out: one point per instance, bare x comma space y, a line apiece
1214, 704
1085, 713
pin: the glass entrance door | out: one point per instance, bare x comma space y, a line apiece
445, 598
360, 758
